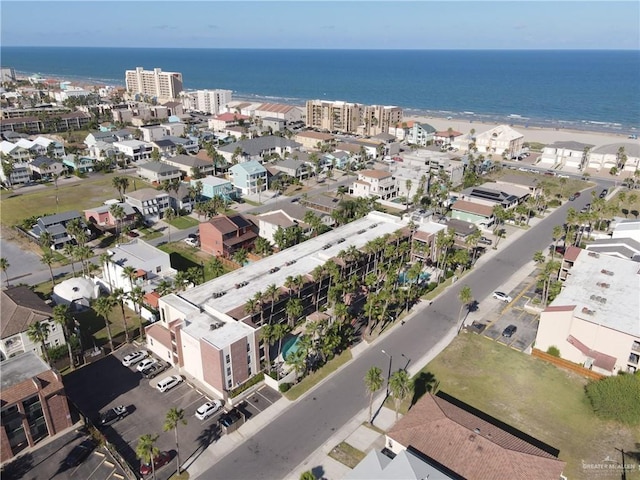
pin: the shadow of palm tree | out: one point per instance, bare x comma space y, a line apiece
18, 468
423, 383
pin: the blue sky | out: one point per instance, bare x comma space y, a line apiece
325, 24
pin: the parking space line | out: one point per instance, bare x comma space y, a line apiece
520, 294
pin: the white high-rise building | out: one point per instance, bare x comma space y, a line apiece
207, 101
154, 83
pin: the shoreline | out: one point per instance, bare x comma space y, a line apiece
535, 130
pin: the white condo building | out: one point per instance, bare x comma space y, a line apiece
155, 83
207, 101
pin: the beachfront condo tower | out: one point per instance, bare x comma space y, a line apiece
154, 83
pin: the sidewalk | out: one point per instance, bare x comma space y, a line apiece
356, 432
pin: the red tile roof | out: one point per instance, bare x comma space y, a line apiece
571, 253
473, 444
600, 360
447, 134
560, 308
471, 207
231, 117
151, 299
380, 174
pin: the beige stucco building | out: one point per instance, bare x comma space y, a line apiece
595, 320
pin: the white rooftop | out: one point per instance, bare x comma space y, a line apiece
621, 308
135, 253
307, 256
215, 331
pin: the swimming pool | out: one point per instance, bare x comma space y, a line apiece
290, 346
424, 277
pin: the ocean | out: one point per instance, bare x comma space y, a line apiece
594, 90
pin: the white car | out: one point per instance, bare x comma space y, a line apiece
208, 409
191, 241
133, 358
503, 297
147, 362
167, 383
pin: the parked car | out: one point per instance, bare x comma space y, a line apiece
503, 297
206, 410
604, 193
113, 415
133, 358
167, 383
574, 196
509, 331
191, 241
146, 363
586, 208
79, 453
485, 241
159, 461
154, 369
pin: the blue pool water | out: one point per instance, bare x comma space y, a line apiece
290, 346
402, 277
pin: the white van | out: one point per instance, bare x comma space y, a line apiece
167, 383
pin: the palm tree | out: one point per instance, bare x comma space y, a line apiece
308, 475
61, 315
466, 297
119, 296
558, 232
280, 330
146, 451
103, 307
400, 386
4, 266
268, 335
169, 215
48, 259
298, 360
38, 332
117, 211
293, 310
260, 184
69, 251
373, 381
46, 240
538, 257
175, 417
130, 273
271, 294
216, 267
136, 295
240, 256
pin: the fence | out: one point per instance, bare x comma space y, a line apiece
567, 365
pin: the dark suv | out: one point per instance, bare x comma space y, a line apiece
485, 241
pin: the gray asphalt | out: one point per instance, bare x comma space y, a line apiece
278, 448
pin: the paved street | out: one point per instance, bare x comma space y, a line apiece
277, 449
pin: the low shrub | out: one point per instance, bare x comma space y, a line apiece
284, 387
248, 384
554, 351
616, 398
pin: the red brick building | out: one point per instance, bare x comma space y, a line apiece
222, 235
33, 404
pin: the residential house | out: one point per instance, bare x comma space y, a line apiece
21, 308
521, 181
190, 166
15, 151
215, 186
446, 137
500, 140
158, 172
150, 264
152, 133
102, 218
189, 144
421, 134
311, 140
42, 146
34, 404
272, 124
150, 203
605, 157
249, 177
56, 226
222, 121
45, 168
594, 319
78, 164
294, 168
20, 172
467, 443
409, 464
569, 154
257, 149
376, 183
134, 150
474, 213
174, 109
423, 242
338, 159
180, 199
270, 222
491, 194
223, 235
109, 136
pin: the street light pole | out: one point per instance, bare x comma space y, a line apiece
389, 371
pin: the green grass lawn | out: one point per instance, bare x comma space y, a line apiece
184, 222
531, 395
87, 193
316, 377
184, 257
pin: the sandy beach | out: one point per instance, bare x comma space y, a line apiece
531, 134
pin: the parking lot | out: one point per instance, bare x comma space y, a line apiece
48, 462
107, 383
503, 314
